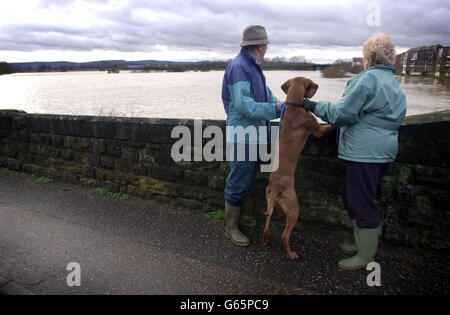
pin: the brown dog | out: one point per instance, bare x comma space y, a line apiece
297, 125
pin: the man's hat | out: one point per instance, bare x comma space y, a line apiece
254, 35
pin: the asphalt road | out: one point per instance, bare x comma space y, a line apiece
140, 246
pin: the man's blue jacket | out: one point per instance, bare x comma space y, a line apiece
246, 99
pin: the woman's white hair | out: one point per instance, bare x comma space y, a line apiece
379, 49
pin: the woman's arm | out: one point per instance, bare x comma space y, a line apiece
347, 110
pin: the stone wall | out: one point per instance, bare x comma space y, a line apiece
133, 155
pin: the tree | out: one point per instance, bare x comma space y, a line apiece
44, 68
5, 68
298, 59
278, 59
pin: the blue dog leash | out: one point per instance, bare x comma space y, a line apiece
283, 108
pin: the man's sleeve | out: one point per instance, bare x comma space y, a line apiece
270, 97
242, 98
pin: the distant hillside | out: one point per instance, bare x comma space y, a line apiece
103, 64
158, 65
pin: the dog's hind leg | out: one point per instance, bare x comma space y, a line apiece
291, 208
270, 204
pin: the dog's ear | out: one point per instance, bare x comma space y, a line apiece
310, 88
286, 85
296, 91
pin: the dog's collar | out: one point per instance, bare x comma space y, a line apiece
283, 108
295, 105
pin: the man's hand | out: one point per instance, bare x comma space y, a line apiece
279, 106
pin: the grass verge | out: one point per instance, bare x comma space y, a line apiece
105, 192
44, 180
217, 215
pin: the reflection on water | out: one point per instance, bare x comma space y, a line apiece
423, 80
425, 94
174, 95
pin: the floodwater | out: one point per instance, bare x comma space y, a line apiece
173, 95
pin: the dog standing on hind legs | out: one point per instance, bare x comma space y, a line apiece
297, 125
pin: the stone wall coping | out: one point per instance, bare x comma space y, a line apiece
439, 116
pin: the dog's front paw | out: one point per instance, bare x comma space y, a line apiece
293, 255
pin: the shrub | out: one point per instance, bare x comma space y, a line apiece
5, 68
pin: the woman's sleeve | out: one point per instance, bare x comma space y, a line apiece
346, 111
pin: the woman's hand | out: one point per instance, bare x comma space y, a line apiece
309, 105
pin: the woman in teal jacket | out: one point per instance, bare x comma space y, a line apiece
369, 115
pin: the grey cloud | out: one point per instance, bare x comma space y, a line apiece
65, 3
217, 25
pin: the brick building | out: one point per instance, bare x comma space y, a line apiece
426, 60
357, 61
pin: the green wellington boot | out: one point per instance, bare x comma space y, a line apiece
231, 221
367, 247
350, 248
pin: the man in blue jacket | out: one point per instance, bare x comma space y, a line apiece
249, 103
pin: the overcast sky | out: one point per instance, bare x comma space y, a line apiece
87, 30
